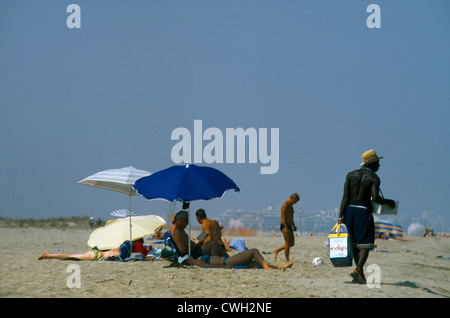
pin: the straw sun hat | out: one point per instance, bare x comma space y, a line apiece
369, 156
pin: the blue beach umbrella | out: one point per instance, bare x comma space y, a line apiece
185, 184
120, 180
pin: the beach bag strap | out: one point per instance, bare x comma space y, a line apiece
336, 228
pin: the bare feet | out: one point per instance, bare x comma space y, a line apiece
275, 253
43, 256
289, 264
267, 266
287, 261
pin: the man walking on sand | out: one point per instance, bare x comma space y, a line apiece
287, 225
356, 210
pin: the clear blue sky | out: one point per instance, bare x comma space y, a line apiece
109, 95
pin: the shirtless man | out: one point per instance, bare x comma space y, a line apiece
356, 210
287, 226
181, 239
209, 226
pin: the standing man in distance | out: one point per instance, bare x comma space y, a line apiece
287, 225
360, 187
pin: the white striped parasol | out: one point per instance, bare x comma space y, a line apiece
121, 180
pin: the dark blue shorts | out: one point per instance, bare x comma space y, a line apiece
360, 226
197, 253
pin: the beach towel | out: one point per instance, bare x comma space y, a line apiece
245, 267
135, 257
383, 251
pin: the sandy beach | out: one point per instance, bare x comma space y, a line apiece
413, 270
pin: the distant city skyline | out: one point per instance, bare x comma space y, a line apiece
319, 220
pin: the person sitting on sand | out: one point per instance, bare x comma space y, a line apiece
209, 226
181, 239
236, 246
428, 232
158, 235
251, 258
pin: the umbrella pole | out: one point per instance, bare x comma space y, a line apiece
129, 204
189, 218
186, 205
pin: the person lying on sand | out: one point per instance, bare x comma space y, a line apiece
251, 258
390, 237
92, 255
95, 254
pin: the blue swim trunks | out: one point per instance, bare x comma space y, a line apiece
206, 259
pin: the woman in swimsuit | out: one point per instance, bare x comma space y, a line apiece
92, 255
250, 258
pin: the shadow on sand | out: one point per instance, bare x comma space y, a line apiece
410, 285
